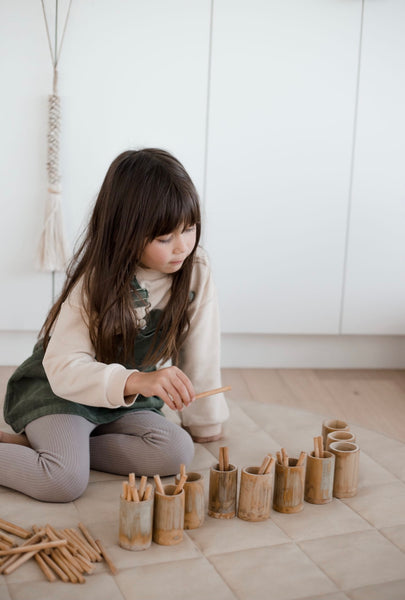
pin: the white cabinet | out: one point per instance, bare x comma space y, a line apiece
282, 99
375, 277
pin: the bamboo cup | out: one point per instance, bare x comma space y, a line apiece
339, 436
330, 425
168, 518
346, 468
255, 495
135, 524
194, 508
319, 478
222, 492
289, 487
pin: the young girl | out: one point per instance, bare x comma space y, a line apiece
138, 293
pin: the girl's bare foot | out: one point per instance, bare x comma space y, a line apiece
14, 438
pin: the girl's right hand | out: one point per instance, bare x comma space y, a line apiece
170, 384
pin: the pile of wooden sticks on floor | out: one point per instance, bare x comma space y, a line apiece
66, 554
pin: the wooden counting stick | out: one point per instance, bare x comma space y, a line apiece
269, 465
182, 469
224, 458
47, 571
284, 457
14, 529
107, 559
159, 485
180, 485
301, 459
125, 490
226, 388
148, 492
221, 459
318, 446
264, 464
89, 538
279, 458
142, 486
54, 566
6, 538
134, 493
33, 547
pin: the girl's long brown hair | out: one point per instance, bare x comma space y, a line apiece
145, 194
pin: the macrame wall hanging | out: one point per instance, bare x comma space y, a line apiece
52, 251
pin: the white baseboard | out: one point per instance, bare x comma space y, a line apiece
313, 351
268, 351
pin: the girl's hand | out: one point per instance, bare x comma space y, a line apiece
170, 384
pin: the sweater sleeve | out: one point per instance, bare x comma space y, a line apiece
200, 355
71, 367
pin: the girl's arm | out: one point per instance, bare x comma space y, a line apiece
71, 367
75, 374
200, 357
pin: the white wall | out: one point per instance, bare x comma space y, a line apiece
289, 117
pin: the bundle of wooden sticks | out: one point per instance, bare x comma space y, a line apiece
282, 458
179, 486
133, 494
318, 447
66, 554
266, 466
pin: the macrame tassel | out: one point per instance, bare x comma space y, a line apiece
53, 251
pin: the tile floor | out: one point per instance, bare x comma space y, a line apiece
348, 549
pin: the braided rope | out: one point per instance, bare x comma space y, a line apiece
54, 120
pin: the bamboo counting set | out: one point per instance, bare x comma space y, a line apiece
282, 483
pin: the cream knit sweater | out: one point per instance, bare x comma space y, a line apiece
74, 373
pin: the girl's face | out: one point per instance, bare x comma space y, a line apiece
167, 253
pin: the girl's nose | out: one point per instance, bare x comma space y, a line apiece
180, 245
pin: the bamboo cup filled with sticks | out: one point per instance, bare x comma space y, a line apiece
319, 474
289, 482
136, 514
223, 487
256, 491
168, 518
194, 506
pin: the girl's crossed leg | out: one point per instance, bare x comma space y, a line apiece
55, 468
142, 442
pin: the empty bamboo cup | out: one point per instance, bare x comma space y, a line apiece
346, 468
330, 425
222, 492
194, 507
168, 519
135, 524
339, 436
319, 478
289, 484
255, 495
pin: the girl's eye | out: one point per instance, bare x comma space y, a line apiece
164, 240
189, 229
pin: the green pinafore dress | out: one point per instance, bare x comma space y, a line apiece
29, 394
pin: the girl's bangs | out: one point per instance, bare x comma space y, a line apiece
175, 211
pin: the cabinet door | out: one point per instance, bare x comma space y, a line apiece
282, 98
375, 284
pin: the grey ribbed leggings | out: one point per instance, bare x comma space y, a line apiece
56, 467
